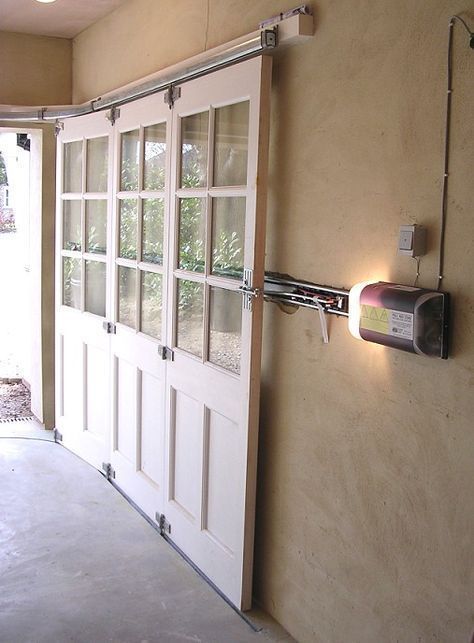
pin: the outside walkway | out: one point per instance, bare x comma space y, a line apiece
79, 564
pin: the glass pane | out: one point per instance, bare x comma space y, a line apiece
127, 278
95, 287
129, 160
225, 333
194, 137
192, 228
190, 316
228, 236
72, 225
97, 164
96, 226
231, 144
128, 213
153, 218
155, 157
151, 304
72, 282
73, 167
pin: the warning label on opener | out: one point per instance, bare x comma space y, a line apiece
388, 322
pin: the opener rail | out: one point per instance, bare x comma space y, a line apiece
287, 290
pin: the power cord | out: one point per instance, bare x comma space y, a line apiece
447, 139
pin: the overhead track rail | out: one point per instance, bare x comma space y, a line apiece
296, 28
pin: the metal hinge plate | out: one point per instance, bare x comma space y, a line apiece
113, 114
58, 128
163, 524
247, 289
165, 353
109, 472
171, 95
109, 328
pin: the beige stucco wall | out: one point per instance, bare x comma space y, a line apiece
366, 489
35, 70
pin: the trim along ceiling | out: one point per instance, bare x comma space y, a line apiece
62, 19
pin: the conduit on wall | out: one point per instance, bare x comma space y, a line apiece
289, 30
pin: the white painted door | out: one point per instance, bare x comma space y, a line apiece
83, 304
142, 141
187, 233
218, 181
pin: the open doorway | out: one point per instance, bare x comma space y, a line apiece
27, 203
15, 317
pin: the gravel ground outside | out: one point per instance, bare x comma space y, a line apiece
15, 401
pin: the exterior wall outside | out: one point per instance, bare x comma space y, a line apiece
366, 492
36, 70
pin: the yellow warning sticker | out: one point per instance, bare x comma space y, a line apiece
386, 321
374, 318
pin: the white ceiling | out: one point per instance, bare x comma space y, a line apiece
63, 18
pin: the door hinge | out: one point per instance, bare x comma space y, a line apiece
165, 353
163, 525
112, 115
109, 327
58, 128
109, 472
171, 95
58, 437
247, 289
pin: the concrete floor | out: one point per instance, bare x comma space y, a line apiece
79, 564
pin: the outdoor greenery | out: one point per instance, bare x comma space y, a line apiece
227, 250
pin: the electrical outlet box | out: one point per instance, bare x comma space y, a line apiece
412, 240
